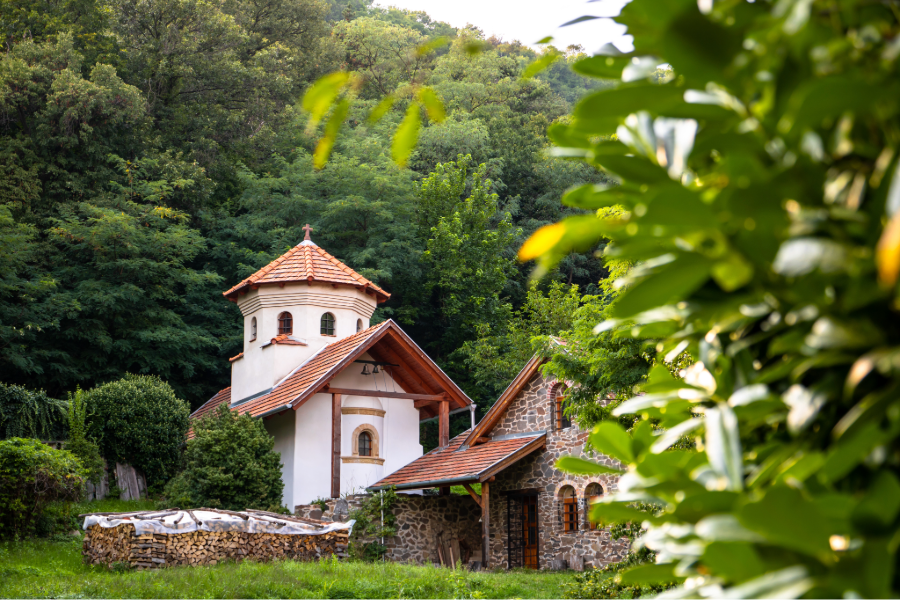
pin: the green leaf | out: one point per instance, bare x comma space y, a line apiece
880, 506
579, 466
580, 19
601, 112
667, 285
732, 273
697, 506
698, 47
382, 108
786, 518
602, 67
541, 63
433, 105
332, 127
406, 135
606, 513
649, 574
609, 438
319, 98
733, 561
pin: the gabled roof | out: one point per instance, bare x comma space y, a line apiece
451, 465
509, 394
307, 262
210, 406
385, 342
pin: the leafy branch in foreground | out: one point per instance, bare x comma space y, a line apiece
759, 200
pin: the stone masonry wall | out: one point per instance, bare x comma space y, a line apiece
420, 519
534, 409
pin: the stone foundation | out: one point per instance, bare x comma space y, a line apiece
420, 520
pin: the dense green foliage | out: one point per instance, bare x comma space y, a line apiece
30, 414
85, 450
153, 154
139, 421
33, 475
375, 520
759, 194
230, 463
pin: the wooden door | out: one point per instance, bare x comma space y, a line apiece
530, 523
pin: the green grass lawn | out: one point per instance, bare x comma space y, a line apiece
43, 568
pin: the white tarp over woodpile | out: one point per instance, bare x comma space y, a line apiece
175, 521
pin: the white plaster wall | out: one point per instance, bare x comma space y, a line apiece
262, 367
401, 434
282, 427
312, 450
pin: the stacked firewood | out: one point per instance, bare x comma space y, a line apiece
121, 544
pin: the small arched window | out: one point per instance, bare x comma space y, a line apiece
592, 494
285, 324
253, 329
359, 325
327, 324
562, 419
568, 508
365, 444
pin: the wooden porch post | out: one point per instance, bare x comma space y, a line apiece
444, 424
335, 445
485, 525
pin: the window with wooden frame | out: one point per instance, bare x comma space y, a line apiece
562, 420
568, 504
592, 494
365, 444
253, 329
327, 324
285, 324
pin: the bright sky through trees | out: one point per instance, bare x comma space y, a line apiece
527, 20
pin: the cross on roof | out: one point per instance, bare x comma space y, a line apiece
307, 229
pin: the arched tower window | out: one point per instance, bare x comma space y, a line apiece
365, 441
562, 420
568, 508
327, 324
285, 323
592, 494
365, 444
253, 329
359, 325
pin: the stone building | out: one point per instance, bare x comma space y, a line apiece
531, 513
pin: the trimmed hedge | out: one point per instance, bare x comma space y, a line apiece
138, 420
32, 475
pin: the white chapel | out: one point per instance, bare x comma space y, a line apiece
342, 398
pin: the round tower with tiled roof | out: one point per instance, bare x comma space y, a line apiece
292, 308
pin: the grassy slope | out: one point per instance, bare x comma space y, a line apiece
40, 568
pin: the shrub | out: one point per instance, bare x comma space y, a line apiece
28, 413
87, 452
138, 420
32, 475
229, 464
375, 520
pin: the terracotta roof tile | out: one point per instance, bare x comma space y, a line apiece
451, 463
308, 262
238, 357
210, 406
302, 379
287, 340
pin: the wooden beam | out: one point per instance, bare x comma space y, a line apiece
444, 425
335, 445
485, 525
378, 394
445, 491
472, 493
